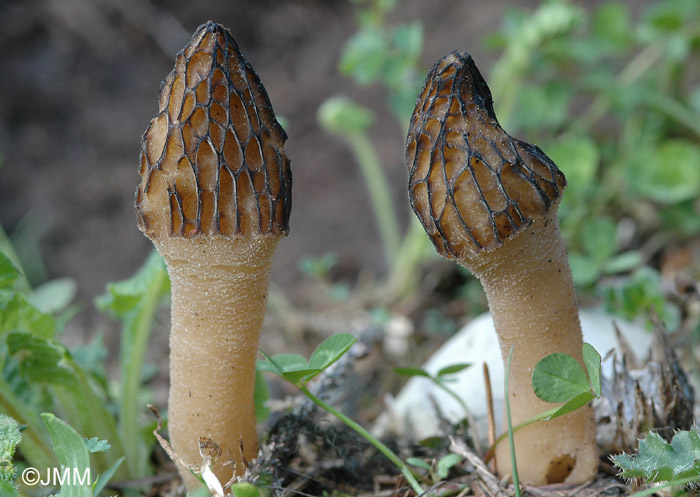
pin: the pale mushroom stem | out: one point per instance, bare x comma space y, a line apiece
489, 201
531, 296
215, 198
219, 294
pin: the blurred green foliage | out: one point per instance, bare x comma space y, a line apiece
40, 376
612, 98
608, 93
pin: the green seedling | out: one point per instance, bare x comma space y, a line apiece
388, 54
134, 302
511, 430
438, 469
441, 380
559, 378
350, 121
298, 371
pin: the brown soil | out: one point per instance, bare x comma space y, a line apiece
80, 80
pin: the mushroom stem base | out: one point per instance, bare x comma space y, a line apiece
531, 295
219, 295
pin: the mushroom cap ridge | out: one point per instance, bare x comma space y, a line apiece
471, 184
212, 160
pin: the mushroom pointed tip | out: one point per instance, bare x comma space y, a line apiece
472, 185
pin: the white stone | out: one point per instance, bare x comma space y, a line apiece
412, 413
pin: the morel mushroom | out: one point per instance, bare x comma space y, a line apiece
215, 198
489, 202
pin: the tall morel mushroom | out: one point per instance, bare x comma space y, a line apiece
215, 198
489, 202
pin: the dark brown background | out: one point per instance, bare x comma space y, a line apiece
79, 84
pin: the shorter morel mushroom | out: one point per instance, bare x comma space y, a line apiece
489, 201
215, 198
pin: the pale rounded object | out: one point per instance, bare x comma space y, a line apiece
411, 412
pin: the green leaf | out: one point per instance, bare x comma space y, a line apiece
320, 266
386, 6
668, 174
446, 463
290, 362
363, 56
53, 296
579, 158
7, 489
623, 262
542, 106
559, 377
19, 314
10, 437
71, 452
409, 38
340, 115
261, 396
657, 460
244, 489
572, 404
681, 218
592, 360
94, 444
292, 367
134, 301
330, 350
8, 272
412, 372
296, 369
454, 368
268, 365
41, 360
611, 23
584, 270
301, 375
599, 237
103, 479
418, 463
124, 296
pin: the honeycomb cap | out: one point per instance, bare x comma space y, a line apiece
471, 184
212, 160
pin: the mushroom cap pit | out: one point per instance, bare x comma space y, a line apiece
212, 160
471, 184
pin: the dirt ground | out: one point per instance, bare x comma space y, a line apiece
80, 81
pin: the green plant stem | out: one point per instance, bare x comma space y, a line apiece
22, 284
405, 470
35, 448
511, 438
414, 248
133, 354
464, 407
637, 67
541, 416
380, 195
673, 109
